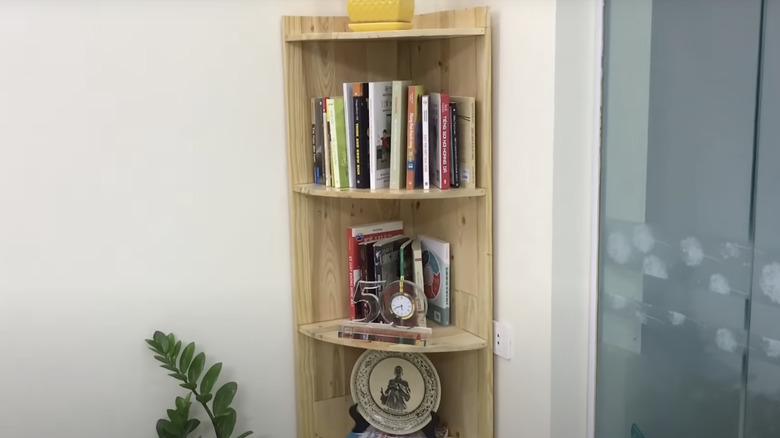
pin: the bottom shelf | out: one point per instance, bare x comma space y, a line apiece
443, 339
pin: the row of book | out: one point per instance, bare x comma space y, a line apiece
393, 134
381, 253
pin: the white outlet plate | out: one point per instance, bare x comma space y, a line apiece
502, 340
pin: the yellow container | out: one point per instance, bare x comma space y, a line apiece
380, 11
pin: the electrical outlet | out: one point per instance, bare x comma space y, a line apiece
502, 340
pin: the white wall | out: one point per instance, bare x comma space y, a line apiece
577, 89
140, 168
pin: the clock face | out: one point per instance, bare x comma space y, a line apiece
402, 306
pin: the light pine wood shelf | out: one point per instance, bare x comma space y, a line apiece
411, 34
443, 339
450, 51
433, 193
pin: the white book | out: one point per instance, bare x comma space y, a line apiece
426, 134
334, 152
434, 139
349, 123
380, 100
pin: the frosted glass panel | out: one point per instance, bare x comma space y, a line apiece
763, 402
676, 258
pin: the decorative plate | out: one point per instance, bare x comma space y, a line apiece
395, 391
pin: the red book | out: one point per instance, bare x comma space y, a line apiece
445, 141
364, 233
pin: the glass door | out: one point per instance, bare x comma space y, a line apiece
763, 377
676, 264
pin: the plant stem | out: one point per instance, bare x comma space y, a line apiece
211, 416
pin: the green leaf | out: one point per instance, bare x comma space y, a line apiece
226, 422
190, 426
170, 368
224, 397
245, 434
181, 403
186, 357
189, 385
196, 367
210, 378
171, 428
203, 398
153, 345
161, 432
175, 352
162, 341
163, 359
177, 418
171, 343
178, 376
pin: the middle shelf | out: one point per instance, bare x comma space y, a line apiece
433, 193
443, 339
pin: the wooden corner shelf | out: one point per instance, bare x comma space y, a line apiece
411, 34
448, 51
443, 339
434, 193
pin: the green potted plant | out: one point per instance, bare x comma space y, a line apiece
187, 367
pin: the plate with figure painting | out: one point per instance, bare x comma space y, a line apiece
395, 391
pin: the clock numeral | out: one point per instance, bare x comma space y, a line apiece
370, 299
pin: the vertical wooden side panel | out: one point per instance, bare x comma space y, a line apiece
300, 224
485, 169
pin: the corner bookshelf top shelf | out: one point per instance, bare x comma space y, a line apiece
433, 193
411, 34
443, 339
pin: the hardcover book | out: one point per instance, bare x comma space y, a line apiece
364, 233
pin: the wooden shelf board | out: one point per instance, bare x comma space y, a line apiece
413, 34
443, 339
433, 193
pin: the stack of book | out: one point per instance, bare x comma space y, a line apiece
375, 252
393, 134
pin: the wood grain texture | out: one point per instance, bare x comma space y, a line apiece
332, 417
443, 339
460, 383
446, 51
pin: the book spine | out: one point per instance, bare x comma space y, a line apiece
341, 142
360, 94
444, 140
454, 157
319, 164
413, 143
398, 133
349, 131
326, 156
426, 129
334, 143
